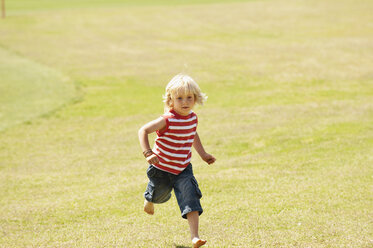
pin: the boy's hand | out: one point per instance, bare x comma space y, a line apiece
152, 159
208, 158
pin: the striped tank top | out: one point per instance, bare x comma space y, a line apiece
173, 145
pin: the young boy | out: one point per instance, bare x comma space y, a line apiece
169, 160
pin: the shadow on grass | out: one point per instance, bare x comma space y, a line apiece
181, 246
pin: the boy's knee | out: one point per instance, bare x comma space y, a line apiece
152, 196
190, 208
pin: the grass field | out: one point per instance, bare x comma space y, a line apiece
289, 118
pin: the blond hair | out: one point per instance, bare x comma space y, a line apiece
186, 83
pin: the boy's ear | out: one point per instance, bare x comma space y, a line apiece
170, 103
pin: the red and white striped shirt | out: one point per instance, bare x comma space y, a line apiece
173, 146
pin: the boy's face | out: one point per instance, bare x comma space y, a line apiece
183, 102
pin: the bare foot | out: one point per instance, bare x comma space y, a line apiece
197, 242
149, 207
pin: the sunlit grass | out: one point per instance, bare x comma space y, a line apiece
289, 118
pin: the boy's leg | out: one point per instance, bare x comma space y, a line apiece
188, 197
158, 190
193, 220
187, 192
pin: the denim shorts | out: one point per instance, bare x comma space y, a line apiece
185, 186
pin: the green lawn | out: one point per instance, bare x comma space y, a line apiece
289, 118
29, 89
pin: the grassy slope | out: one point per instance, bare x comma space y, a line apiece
28, 89
289, 117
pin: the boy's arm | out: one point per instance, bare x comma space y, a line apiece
197, 144
144, 131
